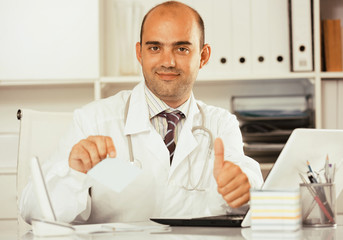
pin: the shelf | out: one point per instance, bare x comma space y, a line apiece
121, 79
242, 77
218, 77
136, 79
331, 75
35, 82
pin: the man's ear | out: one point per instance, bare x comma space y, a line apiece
139, 52
205, 55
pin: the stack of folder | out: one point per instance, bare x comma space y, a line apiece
275, 210
247, 36
266, 122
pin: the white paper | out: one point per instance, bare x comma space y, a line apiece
120, 227
114, 173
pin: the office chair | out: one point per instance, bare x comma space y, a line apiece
39, 135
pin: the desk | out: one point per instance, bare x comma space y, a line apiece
9, 229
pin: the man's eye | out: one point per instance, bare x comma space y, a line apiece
184, 50
154, 48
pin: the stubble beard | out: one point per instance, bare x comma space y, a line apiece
169, 90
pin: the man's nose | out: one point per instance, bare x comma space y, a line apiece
168, 59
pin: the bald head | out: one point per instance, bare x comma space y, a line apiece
174, 7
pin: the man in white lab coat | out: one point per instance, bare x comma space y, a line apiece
171, 52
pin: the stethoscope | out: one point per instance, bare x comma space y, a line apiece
201, 128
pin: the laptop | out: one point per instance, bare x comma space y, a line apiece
304, 144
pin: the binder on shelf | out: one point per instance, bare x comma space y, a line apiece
241, 36
260, 36
342, 44
301, 35
332, 45
222, 57
279, 36
213, 35
126, 36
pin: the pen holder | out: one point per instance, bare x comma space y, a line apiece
318, 204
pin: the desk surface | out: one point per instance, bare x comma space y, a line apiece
9, 231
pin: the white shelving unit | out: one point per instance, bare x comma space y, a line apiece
83, 80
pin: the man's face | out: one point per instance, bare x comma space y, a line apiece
170, 54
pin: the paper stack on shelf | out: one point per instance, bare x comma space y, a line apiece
275, 210
266, 122
332, 45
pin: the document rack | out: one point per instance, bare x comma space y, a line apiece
266, 122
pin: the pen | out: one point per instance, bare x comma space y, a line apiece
331, 173
310, 174
311, 177
309, 166
320, 203
326, 168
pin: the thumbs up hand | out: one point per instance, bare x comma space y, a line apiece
232, 183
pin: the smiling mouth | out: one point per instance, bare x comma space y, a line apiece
167, 75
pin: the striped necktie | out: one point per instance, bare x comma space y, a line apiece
172, 119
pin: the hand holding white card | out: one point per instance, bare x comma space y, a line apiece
114, 173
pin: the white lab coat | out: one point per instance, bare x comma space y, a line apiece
158, 191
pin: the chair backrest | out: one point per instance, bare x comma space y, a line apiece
39, 135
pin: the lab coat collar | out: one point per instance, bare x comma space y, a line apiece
138, 115
139, 126
138, 121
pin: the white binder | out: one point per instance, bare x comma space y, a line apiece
301, 32
128, 18
241, 36
279, 36
206, 10
222, 57
260, 36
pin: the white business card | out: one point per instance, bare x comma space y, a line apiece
114, 173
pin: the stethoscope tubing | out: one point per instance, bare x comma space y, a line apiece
195, 128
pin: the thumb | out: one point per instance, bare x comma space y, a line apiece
111, 150
218, 157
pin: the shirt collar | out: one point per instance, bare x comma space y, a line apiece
156, 105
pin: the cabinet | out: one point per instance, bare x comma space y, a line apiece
60, 55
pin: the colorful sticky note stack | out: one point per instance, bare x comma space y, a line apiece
275, 210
